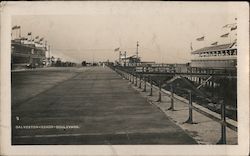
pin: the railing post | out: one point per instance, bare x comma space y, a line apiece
145, 84
190, 118
140, 81
151, 87
223, 125
172, 98
159, 99
135, 80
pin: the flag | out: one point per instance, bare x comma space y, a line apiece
117, 49
215, 43
15, 27
225, 35
191, 47
225, 26
233, 28
29, 33
201, 38
229, 25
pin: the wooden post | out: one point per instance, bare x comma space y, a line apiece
172, 99
191, 74
159, 99
223, 126
135, 80
226, 85
145, 84
151, 87
190, 118
140, 81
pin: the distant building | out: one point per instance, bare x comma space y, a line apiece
222, 56
131, 61
27, 53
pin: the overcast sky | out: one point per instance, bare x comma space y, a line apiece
164, 30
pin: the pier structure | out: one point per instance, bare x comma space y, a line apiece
210, 80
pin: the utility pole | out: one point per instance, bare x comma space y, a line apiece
20, 32
49, 55
137, 45
120, 53
93, 57
125, 55
137, 53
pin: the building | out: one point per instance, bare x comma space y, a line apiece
25, 53
218, 59
222, 56
131, 61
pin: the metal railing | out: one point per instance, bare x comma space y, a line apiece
134, 77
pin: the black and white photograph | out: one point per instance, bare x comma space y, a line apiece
125, 74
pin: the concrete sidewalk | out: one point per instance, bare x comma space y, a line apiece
95, 106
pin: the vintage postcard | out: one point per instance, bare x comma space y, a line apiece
124, 78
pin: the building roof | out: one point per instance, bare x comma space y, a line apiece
215, 48
130, 57
30, 45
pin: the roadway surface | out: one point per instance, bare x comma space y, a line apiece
91, 105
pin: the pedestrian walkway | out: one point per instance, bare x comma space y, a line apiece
204, 130
94, 106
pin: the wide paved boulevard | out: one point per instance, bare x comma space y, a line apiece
91, 105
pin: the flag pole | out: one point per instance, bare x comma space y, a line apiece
15, 34
230, 38
191, 47
49, 55
11, 34
120, 56
137, 45
125, 53
20, 31
204, 43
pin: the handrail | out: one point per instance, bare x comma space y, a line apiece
222, 121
